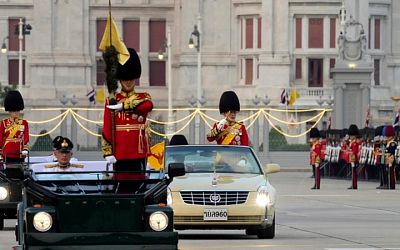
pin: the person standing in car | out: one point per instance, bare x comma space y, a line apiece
14, 131
228, 131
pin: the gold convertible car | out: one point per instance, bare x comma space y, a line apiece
225, 187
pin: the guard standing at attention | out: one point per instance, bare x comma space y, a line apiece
377, 159
391, 147
228, 131
14, 131
315, 156
354, 149
125, 137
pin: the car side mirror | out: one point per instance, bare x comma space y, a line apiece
176, 169
271, 168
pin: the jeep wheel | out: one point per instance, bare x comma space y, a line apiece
268, 232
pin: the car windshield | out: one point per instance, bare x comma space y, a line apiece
207, 159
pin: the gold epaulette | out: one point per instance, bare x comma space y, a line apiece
51, 165
147, 96
76, 165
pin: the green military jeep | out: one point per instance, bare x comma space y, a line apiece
86, 210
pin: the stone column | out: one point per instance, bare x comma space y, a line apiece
4, 57
338, 107
266, 128
202, 132
256, 134
144, 51
192, 131
326, 27
304, 32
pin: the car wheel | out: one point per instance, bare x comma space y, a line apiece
268, 232
1, 220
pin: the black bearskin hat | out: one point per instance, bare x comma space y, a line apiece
314, 133
131, 69
379, 131
229, 101
13, 101
353, 130
178, 140
389, 131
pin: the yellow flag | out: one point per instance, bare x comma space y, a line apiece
294, 95
115, 40
100, 95
156, 158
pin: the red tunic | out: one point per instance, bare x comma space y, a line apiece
324, 143
236, 134
14, 135
315, 153
354, 151
377, 154
344, 153
131, 137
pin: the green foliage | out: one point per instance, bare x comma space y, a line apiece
291, 147
154, 139
43, 143
276, 139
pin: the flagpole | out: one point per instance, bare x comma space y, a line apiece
109, 16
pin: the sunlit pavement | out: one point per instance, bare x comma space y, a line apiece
330, 218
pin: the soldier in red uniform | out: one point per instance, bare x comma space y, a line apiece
315, 156
14, 131
378, 160
354, 149
125, 141
228, 131
391, 147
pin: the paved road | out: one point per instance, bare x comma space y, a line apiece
331, 218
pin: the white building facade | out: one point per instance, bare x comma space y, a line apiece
254, 47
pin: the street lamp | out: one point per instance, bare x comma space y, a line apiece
23, 29
64, 127
266, 101
3, 45
167, 45
196, 32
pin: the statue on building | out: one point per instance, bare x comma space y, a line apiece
352, 42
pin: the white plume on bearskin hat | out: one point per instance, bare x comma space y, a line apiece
13, 101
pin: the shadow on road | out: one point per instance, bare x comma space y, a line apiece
197, 236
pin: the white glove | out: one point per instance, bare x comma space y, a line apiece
221, 124
111, 159
116, 107
24, 152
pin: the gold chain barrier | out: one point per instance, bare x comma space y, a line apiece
208, 120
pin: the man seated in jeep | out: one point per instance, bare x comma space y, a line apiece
63, 153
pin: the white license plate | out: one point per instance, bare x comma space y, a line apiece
215, 214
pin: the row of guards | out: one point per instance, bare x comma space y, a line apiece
368, 153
